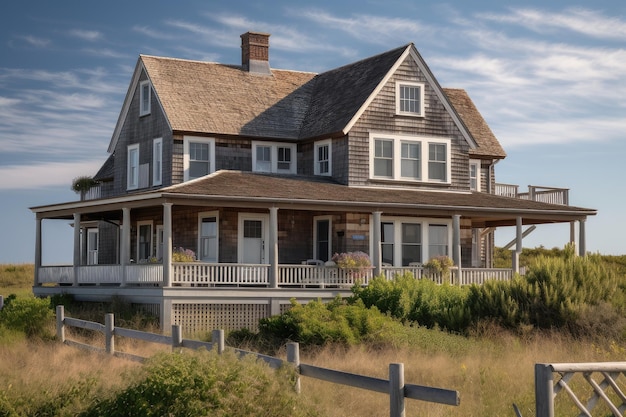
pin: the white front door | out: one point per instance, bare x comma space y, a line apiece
253, 233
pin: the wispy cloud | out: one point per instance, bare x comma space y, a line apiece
86, 35
43, 175
35, 41
578, 20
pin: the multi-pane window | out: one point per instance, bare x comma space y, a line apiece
264, 158
410, 163
208, 239
199, 162
198, 157
133, 167
273, 157
410, 158
144, 98
411, 243
284, 158
474, 175
322, 158
437, 161
383, 158
157, 161
387, 241
410, 98
437, 240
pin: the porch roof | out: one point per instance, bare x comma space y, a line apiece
255, 190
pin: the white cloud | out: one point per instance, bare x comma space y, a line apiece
87, 35
44, 175
35, 41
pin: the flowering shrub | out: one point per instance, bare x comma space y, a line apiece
352, 260
183, 255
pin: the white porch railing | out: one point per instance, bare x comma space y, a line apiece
542, 194
202, 274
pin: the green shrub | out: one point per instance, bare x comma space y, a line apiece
32, 316
200, 383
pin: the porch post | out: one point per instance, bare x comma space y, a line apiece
125, 246
518, 245
377, 257
76, 246
582, 244
273, 249
167, 244
572, 235
37, 251
456, 241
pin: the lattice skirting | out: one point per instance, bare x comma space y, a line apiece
199, 318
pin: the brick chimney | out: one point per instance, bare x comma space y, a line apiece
255, 48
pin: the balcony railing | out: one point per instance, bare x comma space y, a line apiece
549, 195
200, 274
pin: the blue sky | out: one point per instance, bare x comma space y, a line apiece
549, 78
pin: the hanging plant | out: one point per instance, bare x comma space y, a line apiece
81, 185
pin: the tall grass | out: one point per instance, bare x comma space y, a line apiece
16, 279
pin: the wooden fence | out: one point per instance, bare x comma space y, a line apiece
395, 386
608, 391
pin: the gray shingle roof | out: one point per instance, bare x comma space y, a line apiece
211, 98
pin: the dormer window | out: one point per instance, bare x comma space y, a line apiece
409, 98
323, 157
144, 98
274, 157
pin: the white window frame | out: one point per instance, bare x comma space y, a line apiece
318, 162
145, 103
410, 84
151, 251
425, 241
293, 168
477, 178
424, 142
204, 215
157, 161
196, 139
330, 236
160, 235
132, 167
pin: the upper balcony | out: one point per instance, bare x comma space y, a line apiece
542, 194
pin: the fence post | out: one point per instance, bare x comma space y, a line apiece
109, 327
60, 323
177, 336
544, 390
293, 357
396, 390
217, 337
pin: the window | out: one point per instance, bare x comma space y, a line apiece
383, 158
400, 158
208, 237
199, 157
437, 240
273, 157
133, 167
144, 98
474, 175
406, 240
157, 161
323, 158
322, 238
144, 240
437, 162
410, 98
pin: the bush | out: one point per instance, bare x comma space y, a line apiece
200, 383
32, 316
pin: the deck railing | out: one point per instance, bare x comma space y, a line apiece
201, 274
542, 194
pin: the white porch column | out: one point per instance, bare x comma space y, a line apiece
167, 244
518, 245
125, 244
37, 251
377, 256
582, 244
456, 241
273, 249
76, 246
572, 235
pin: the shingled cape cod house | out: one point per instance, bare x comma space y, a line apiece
266, 173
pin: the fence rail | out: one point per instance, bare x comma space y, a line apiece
608, 391
394, 386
